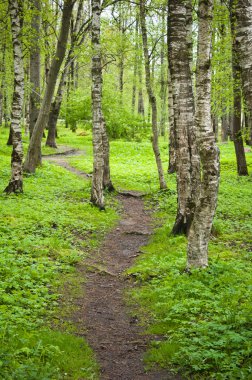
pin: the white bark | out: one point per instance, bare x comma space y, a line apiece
200, 230
16, 182
97, 197
187, 159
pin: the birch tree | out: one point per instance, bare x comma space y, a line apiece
56, 104
34, 158
187, 158
152, 98
163, 80
200, 229
97, 197
16, 182
242, 11
236, 72
35, 65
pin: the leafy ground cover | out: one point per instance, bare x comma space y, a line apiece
42, 234
205, 317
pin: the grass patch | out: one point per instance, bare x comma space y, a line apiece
42, 234
205, 317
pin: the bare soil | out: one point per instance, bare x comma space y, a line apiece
103, 315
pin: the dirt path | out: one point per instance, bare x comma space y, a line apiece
103, 316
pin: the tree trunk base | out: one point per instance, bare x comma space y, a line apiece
243, 172
97, 204
181, 227
51, 144
14, 187
109, 187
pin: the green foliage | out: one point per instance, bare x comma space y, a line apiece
205, 316
120, 122
133, 165
45, 355
42, 234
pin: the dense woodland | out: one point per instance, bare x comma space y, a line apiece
144, 99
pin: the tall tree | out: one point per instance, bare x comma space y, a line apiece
97, 197
236, 70
16, 182
172, 150
243, 12
187, 158
140, 105
34, 157
152, 98
163, 81
201, 226
35, 65
135, 68
56, 104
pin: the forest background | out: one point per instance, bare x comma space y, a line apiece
203, 315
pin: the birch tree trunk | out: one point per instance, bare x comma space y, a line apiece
16, 182
187, 158
152, 98
237, 127
172, 148
242, 11
163, 79
199, 234
140, 106
133, 104
33, 158
2, 85
97, 197
55, 110
35, 66
239, 57
107, 183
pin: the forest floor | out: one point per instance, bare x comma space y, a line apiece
62, 260
103, 316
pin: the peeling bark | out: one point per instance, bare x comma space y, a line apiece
200, 230
152, 98
97, 197
187, 158
16, 182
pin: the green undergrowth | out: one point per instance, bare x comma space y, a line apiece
132, 163
44, 233
204, 318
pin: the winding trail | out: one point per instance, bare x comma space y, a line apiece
103, 317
